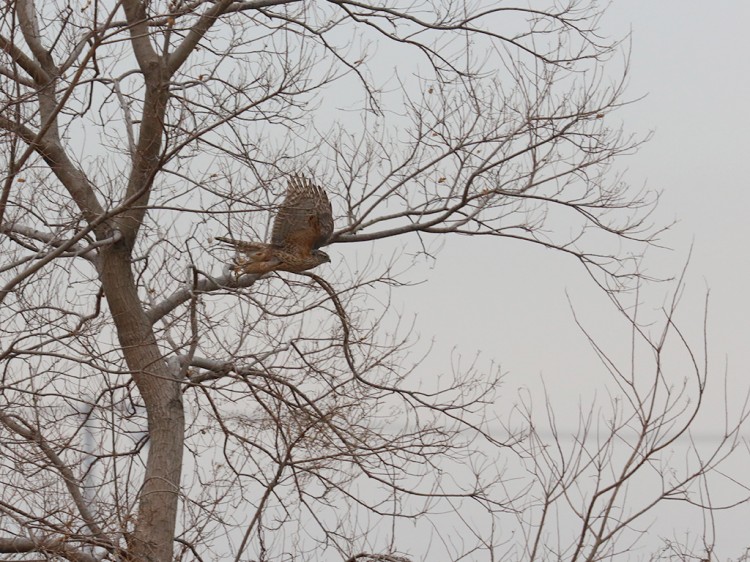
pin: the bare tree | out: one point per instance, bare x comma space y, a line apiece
155, 407
609, 481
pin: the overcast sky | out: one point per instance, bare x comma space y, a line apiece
512, 303
690, 64
690, 61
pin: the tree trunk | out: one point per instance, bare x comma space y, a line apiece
153, 537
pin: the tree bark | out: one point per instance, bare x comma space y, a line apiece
153, 537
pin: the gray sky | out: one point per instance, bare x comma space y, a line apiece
689, 66
512, 303
690, 62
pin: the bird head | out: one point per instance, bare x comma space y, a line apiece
321, 257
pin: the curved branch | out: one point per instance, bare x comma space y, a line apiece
55, 241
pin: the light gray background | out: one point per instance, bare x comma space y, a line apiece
690, 61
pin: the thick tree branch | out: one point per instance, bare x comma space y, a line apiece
34, 70
145, 161
48, 107
197, 31
30, 28
9, 73
140, 35
53, 547
204, 285
74, 180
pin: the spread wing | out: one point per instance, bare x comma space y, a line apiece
304, 220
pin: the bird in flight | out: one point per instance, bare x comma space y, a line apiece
303, 223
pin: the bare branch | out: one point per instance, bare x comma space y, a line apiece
71, 482
23, 545
32, 68
178, 57
155, 406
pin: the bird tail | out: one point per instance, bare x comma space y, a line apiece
258, 258
240, 244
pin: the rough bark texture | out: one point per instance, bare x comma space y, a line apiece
155, 526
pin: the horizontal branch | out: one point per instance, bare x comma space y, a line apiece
370, 557
53, 240
205, 285
18, 545
215, 369
59, 251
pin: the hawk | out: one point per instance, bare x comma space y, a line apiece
303, 223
